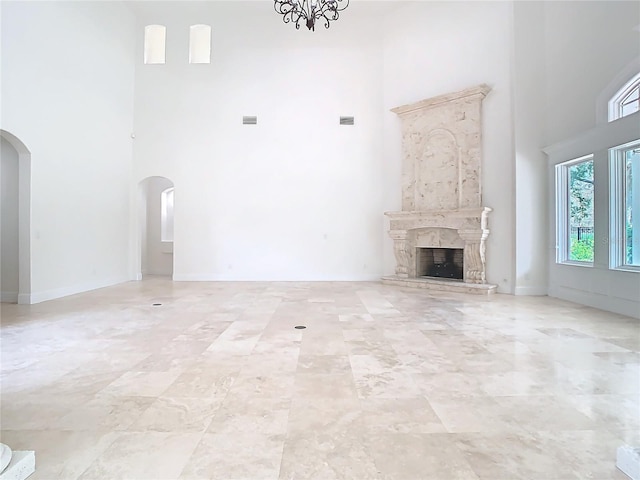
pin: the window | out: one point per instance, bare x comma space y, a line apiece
166, 215
625, 206
154, 44
574, 211
626, 101
200, 44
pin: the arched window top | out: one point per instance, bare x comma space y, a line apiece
626, 100
154, 44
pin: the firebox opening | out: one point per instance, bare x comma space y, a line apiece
440, 262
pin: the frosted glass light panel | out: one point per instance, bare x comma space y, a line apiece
581, 242
154, 44
200, 44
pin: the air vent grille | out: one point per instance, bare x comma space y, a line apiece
249, 120
346, 120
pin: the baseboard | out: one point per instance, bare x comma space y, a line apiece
9, 297
37, 297
531, 291
24, 299
188, 277
608, 303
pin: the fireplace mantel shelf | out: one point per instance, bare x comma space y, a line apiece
462, 212
475, 219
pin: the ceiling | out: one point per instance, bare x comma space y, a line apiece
148, 8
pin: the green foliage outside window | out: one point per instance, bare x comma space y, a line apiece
582, 250
581, 211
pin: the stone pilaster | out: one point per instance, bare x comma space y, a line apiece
400, 248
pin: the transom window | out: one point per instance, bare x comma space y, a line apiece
626, 101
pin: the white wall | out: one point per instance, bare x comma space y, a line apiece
528, 70
296, 197
9, 219
432, 48
588, 45
67, 93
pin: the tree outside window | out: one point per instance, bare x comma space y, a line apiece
581, 240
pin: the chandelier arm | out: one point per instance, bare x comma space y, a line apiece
329, 15
289, 17
300, 18
286, 9
337, 5
331, 11
282, 6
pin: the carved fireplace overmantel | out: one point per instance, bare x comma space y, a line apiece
442, 188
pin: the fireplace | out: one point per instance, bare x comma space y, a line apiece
440, 232
440, 263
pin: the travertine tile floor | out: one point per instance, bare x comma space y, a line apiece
384, 383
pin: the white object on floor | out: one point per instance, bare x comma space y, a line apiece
5, 456
23, 464
628, 461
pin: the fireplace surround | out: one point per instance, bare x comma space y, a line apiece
442, 190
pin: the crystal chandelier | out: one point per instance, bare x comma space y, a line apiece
308, 11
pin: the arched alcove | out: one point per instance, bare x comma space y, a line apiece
18, 152
155, 226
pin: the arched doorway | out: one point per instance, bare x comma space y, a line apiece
15, 282
155, 213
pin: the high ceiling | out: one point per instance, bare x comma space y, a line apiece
357, 8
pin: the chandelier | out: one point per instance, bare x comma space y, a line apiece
308, 11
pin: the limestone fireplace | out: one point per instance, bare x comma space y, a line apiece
442, 195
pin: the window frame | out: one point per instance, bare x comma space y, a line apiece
563, 216
615, 103
617, 199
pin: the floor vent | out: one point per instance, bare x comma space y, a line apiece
249, 120
346, 120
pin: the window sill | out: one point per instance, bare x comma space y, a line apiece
626, 268
574, 263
